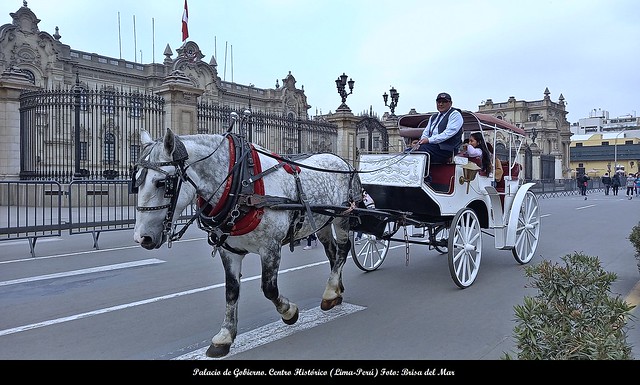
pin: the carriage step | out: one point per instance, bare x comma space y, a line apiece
415, 232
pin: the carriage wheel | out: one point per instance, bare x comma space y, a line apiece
465, 248
527, 230
441, 234
370, 251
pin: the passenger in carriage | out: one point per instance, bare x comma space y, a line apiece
442, 136
481, 153
498, 171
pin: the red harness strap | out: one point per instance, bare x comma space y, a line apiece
287, 167
249, 221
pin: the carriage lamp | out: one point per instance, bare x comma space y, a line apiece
341, 83
469, 172
394, 100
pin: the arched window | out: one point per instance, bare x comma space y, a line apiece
30, 75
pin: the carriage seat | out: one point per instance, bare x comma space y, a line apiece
442, 177
515, 171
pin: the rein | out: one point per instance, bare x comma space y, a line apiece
302, 165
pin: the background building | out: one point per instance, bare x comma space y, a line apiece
84, 111
545, 122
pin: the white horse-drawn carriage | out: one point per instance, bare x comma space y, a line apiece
448, 206
252, 201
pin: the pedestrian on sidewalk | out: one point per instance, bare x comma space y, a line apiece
631, 185
616, 183
311, 238
606, 181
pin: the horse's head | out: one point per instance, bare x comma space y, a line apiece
162, 195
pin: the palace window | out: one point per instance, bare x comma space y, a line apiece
109, 155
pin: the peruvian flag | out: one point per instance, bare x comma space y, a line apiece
185, 21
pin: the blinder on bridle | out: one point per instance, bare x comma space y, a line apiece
171, 182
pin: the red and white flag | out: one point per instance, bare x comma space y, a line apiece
185, 21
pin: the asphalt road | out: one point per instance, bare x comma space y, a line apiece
121, 302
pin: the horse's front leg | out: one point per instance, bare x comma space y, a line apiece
221, 342
270, 264
336, 250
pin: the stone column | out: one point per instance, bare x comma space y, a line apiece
535, 162
181, 101
346, 141
12, 83
396, 142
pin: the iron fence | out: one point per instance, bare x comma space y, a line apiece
278, 133
79, 133
67, 134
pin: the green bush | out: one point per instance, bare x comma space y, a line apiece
572, 317
634, 237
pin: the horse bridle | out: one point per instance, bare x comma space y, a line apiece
171, 183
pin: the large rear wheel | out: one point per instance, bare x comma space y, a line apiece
465, 247
527, 229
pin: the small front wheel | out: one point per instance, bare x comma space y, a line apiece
465, 247
441, 233
369, 251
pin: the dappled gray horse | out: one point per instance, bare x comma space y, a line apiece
249, 201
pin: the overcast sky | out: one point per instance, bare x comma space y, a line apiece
586, 50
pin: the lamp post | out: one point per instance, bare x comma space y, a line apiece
341, 83
394, 100
615, 151
534, 134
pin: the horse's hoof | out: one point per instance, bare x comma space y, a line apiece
216, 351
293, 319
328, 304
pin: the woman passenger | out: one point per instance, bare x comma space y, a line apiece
477, 148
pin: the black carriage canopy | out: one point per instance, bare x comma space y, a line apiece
411, 126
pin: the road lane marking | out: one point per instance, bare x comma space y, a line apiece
26, 242
277, 330
87, 252
139, 303
585, 207
71, 273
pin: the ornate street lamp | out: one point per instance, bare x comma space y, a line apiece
394, 100
341, 83
534, 134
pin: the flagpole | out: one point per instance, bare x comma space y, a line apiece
135, 45
153, 40
185, 22
119, 36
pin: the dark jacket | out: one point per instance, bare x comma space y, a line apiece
616, 180
453, 143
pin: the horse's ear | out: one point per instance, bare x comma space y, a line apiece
169, 141
145, 138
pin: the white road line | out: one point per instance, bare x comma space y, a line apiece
138, 303
25, 241
98, 269
277, 330
584, 207
86, 252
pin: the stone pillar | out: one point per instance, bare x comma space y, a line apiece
535, 162
181, 101
396, 142
12, 83
346, 141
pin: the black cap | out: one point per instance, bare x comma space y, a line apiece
443, 95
